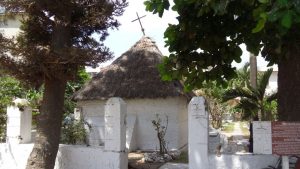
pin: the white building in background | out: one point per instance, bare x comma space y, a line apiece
10, 27
272, 86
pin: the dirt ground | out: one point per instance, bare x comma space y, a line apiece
135, 161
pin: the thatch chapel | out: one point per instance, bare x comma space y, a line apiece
134, 77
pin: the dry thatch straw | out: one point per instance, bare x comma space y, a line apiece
133, 75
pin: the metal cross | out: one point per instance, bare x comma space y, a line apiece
139, 19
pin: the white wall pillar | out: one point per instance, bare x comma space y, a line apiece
198, 134
115, 129
18, 129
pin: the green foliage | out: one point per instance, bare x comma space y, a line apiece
74, 131
206, 39
242, 79
55, 42
11, 88
183, 158
73, 86
157, 6
254, 100
213, 94
228, 127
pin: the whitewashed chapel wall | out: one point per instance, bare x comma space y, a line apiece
144, 110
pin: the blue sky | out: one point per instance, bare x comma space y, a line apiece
119, 41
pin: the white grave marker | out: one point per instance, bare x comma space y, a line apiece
262, 137
198, 134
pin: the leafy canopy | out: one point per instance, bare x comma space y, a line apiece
206, 39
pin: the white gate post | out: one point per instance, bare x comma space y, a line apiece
18, 129
198, 134
115, 129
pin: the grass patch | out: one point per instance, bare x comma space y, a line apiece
228, 127
244, 128
183, 158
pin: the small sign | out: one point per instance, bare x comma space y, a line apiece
286, 138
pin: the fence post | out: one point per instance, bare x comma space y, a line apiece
18, 129
198, 134
115, 129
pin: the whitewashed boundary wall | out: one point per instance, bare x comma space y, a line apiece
113, 155
199, 158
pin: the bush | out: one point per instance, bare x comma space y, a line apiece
74, 131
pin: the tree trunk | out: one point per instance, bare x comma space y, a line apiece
253, 70
289, 85
253, 78
49, 126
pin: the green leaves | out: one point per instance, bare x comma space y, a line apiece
261, 23
157, 6
252, 99
282, 13
206, 39
286, 20
282, 3
263, 1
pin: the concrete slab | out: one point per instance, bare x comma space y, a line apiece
174, 166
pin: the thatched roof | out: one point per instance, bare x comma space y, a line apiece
133, 75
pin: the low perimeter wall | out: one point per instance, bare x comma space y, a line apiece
68, 157
243, 161
15, 152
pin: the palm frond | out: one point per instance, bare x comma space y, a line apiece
249, 108
238, 92
263, 82
245, 69
271, 97
248, 104
255, 92
244, 75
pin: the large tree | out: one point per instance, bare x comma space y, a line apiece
206, 41
56, 40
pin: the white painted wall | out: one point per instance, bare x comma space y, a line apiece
93, 113
68, 157
18, 128
245, 161
11, 27
113, 156
144, 110
272, 86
